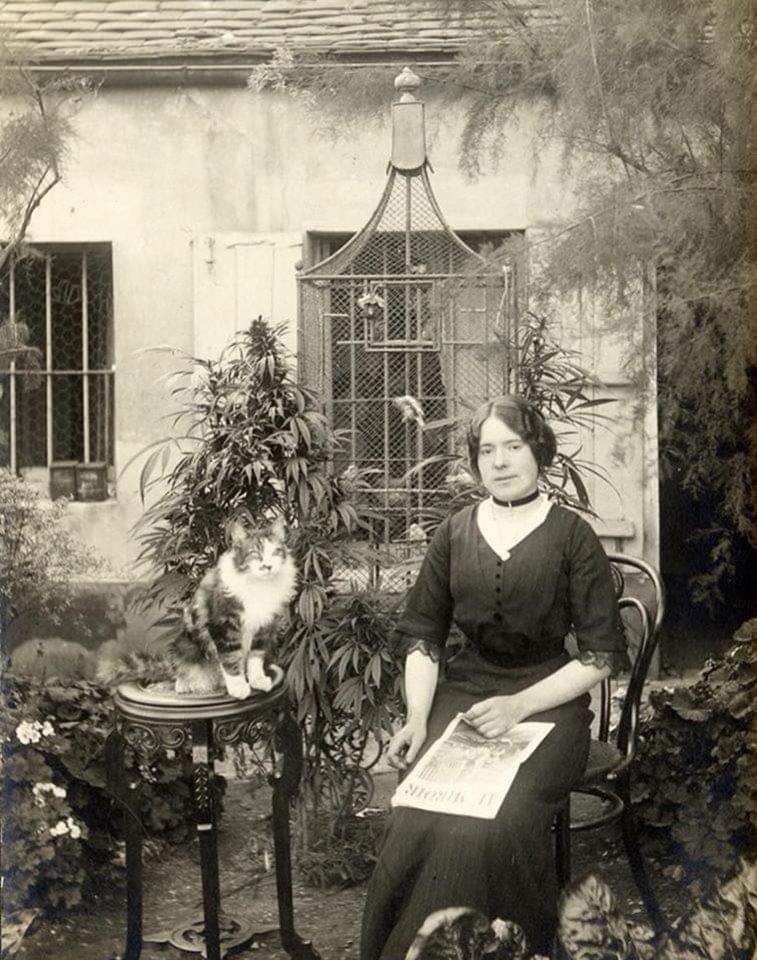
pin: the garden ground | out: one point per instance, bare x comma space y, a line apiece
330, 918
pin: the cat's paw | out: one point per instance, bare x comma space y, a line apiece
264, 683
238, 687
256, 675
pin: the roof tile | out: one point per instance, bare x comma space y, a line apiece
93, 30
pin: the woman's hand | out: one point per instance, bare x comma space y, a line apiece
495, 716
405, 744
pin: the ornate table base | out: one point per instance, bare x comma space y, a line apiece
190, 935
150, 722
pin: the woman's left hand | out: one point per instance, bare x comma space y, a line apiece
495, 716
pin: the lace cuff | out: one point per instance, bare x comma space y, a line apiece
407, 645
616, 660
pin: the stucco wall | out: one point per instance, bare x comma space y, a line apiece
168, 175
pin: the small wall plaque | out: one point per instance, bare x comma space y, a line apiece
91, 481
62, 479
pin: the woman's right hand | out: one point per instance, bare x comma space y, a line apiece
405, 744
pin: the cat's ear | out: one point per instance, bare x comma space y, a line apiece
278, 527
236, 532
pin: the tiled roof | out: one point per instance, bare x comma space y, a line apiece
83, 30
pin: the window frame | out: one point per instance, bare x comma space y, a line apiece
102, 435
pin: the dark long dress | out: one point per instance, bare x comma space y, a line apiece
515, 615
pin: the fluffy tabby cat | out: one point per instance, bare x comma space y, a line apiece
591, 927
228, 626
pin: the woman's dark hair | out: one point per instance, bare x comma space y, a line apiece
521, 417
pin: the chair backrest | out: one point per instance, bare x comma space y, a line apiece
649, 635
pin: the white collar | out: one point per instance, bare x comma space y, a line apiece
504, 527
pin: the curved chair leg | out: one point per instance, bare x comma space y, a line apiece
562, 845
636, 862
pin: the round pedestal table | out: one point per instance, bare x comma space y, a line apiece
150, 722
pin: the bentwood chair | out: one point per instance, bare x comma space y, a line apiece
609, 772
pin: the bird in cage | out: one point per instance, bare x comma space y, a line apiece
416, 534
411, 410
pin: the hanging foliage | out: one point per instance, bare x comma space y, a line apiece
644, 108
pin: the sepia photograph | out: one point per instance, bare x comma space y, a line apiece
366, 365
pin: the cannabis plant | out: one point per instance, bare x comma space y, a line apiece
254, 438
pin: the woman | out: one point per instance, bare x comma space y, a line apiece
515, 572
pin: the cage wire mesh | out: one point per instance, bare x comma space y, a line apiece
395, 334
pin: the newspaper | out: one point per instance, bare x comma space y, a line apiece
466, 773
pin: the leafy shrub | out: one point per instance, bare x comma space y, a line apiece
695, 789
38, 556
59, 819
343, 849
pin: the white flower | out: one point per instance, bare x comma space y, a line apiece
60, 828
73, 828
40, 789
29, 732
33, 731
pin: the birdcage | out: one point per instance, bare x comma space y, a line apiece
396, 330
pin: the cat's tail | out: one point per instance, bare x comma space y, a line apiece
134, 666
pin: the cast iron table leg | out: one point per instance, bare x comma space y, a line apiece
202, 774
126, 793
289, 742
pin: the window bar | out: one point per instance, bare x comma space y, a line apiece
449, 319
327, 346
418, 432
407, 424
387, 401
387, 441
510, 358
85, 352
407, 428
12, 440
408, 222
489, 293
49, 356
106, 382
352, 292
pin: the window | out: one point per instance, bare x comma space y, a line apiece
62, 411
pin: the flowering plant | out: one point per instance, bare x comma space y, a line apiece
44, 838
60, 824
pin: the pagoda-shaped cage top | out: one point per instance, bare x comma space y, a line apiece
402, 330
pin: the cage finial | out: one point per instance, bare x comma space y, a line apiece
406, 83
408, 126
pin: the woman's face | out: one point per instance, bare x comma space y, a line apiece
506, 463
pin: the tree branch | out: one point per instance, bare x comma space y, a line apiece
616, 150
688, 145
36, 198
